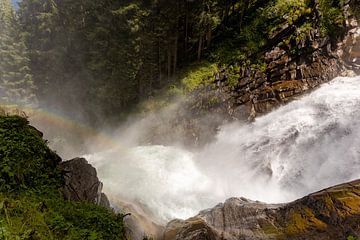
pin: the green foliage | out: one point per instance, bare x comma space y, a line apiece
352, 238
109, 56
242, 46
197, 75
228, 52
31, 204
36, 215
303, 32
289, 10
16, 84
25, 160
331, 16
234, 75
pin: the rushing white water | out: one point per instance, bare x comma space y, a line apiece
164, 179
299, 148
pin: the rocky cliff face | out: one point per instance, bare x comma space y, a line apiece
298, 66
82, 183
290, 69
333, 213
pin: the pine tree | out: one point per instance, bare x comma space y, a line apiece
16, 85
37, 19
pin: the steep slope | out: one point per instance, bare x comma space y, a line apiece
32, 189
306, 43
333, 213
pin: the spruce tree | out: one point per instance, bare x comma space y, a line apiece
16, 85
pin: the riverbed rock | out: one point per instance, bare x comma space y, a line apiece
82, 183
333, 213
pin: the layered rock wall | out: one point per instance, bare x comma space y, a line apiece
293, 68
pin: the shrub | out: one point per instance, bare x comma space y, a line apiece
25, 160
197, 75
31, 204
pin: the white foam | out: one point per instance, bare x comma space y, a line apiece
299, 148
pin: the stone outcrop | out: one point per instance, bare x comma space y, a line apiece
139, 221
82, 183
333, 213
291, 68
318, 59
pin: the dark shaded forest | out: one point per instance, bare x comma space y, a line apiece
99, 59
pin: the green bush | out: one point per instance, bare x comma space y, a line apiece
25, 160
197, 75
289, 10
31, 203
331, 16
47, 216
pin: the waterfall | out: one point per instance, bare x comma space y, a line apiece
304, 146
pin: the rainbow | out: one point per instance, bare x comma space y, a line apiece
56, 126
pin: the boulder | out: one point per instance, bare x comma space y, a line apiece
139, 220
191, 229
82, 183
333, 213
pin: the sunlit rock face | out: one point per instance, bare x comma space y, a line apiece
286, 75
333, 213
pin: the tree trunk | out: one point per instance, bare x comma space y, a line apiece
169, 62
244, 9
175, 53
227, 11
208, 38
200, 48
159, 63
186, 28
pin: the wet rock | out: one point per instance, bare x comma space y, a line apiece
82, 183
333, 213
139, 221
191, 229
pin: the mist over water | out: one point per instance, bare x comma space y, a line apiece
307, 145
304, 146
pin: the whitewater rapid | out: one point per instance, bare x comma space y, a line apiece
307, 145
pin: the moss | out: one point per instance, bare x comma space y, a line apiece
301, 220
269, 229
348, 199
198, 74
297, 224
287, 85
